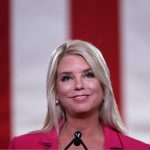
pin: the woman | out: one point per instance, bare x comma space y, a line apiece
80, 98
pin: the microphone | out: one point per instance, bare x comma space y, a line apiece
76, 141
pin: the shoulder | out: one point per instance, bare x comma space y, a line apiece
115, 139
130, 142
34, 140
25, 141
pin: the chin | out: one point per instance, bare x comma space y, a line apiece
82, 111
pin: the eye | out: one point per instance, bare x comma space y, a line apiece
90, 75
66, 78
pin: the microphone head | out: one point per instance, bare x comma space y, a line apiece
78, 134
77, 141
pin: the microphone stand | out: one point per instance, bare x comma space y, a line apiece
76, 141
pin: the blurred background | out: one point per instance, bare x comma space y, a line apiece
31, 29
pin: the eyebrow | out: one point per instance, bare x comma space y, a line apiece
68, 72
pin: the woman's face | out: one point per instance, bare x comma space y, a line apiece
78, 90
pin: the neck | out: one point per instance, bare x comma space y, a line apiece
89, 125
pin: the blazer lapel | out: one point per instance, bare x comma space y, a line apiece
112, 139
49, 140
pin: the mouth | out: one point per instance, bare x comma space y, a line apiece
80, 97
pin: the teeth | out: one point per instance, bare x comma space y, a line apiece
80, 97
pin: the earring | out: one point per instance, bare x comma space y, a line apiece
57, 102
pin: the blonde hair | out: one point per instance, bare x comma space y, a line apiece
109, 113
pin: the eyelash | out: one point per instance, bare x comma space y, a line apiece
68, 77
90, 75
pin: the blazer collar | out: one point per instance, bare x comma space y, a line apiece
49, 140
112, 139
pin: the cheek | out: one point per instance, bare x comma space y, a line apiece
63, 90
96, 87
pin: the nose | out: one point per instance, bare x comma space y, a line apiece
79, 85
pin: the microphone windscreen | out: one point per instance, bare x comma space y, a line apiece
78, 134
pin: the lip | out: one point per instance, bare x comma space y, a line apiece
80, 98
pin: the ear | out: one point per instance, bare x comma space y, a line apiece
103, 92
57, 102
57, 97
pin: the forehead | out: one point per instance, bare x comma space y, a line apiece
72, 63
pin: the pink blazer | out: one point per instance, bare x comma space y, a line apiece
113, 140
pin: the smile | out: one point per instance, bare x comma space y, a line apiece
80, 98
